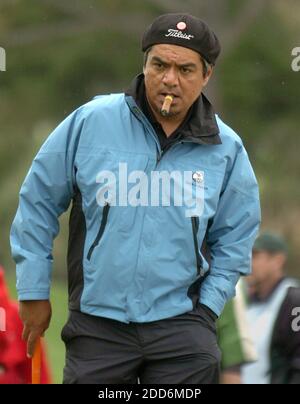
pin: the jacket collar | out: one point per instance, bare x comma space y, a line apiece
200, 126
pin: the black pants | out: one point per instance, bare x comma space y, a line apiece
182, 349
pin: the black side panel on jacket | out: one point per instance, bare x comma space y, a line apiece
77, 233
285, 345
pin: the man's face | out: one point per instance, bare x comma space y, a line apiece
265, 267
174, 70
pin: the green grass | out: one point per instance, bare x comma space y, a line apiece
55, 347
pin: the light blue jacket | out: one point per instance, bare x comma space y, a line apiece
135, 263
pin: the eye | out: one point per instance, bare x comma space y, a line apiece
158, 65
185, 70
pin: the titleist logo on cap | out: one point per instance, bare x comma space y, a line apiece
178, 34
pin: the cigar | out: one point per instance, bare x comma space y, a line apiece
166, 105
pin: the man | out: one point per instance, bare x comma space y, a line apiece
142, 301
273, 298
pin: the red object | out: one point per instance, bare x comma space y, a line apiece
15, 367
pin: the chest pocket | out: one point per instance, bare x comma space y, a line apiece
202, 190
194, 192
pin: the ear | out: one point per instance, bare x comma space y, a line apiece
208, 76
280, 260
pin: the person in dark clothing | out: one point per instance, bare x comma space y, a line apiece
273, 298
285, 343
143, 300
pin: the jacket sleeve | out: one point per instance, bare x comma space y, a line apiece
45, 194
231, 233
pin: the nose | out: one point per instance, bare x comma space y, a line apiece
170, 77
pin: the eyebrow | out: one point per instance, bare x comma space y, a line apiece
158, 59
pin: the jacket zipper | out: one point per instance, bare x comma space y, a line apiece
195, 227
100, 232
170, 146
161, 152
194, 219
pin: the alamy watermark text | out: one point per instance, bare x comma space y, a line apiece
159, 188
2, 60
296, 320
296, 61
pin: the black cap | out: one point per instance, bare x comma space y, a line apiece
183, 30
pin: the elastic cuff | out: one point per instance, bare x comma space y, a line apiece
33, 296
